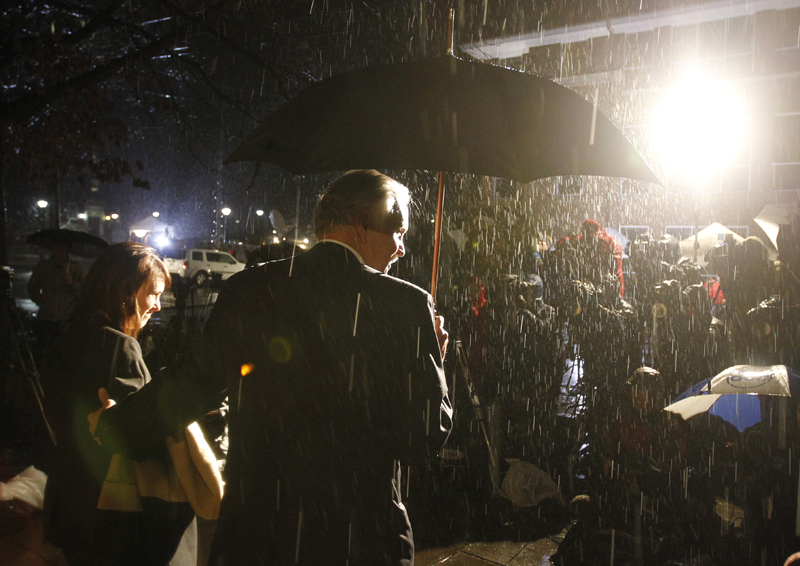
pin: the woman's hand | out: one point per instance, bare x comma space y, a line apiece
105, 403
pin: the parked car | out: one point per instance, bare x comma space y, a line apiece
199, 265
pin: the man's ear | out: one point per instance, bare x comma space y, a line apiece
362, 221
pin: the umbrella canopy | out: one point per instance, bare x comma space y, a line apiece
81, 243
772, 217
443, 114
707, 238
733, 393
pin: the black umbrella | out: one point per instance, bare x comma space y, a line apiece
443, 114
80, 243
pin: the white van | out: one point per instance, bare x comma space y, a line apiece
200, 265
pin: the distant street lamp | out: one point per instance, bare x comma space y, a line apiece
114, 216
42, 204
156, 214
225, 212
259, 213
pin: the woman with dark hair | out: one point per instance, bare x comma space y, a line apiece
93, 517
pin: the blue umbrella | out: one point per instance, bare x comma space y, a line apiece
733, 394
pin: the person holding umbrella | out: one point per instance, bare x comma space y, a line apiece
335, 377
54, 286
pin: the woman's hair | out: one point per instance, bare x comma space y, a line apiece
114, 279
362, 196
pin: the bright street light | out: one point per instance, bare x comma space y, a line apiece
700, 126
42, 203
115, 216
225, 211
156, 214
259, 212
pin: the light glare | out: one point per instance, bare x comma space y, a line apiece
700, 126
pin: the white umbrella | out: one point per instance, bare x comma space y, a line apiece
736, 380
150, 226
707, 238
772, 217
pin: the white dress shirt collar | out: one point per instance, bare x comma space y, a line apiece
358, 255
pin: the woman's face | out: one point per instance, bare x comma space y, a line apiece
148, 301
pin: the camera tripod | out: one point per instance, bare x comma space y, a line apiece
21, 395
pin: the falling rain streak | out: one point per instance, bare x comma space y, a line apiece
545, 344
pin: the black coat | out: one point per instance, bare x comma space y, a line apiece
88, 356
334, 376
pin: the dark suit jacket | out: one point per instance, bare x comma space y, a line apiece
334, 376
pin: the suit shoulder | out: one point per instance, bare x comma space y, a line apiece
259, 273
396, 285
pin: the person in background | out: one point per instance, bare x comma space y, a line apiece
54, 286
606, 251
592, 256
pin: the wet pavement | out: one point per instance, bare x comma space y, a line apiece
21, 544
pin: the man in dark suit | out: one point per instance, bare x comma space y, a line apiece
334, 374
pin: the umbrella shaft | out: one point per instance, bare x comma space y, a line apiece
437, 236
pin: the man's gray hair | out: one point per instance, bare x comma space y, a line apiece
365, 197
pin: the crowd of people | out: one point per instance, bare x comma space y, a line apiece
573, 364
334, 375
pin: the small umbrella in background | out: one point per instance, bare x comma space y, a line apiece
772, 217
706, 239
81, 243
733, 394
443, 114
